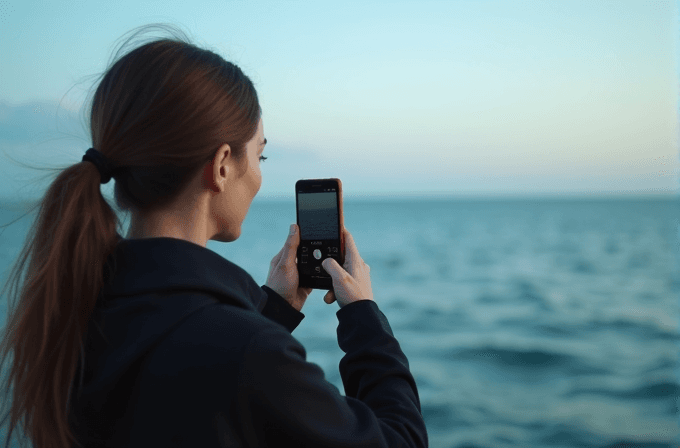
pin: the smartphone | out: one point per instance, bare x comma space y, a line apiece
318, 204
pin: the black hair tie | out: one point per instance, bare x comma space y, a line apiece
106, 169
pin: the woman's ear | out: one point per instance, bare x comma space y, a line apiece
217, 170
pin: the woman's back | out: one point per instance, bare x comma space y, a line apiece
180, 356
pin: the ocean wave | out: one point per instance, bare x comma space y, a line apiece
658, 390
535, 360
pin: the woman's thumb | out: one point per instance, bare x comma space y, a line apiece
330, 266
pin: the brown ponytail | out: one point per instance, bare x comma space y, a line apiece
162, 111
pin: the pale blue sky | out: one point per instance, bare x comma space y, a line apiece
393, 97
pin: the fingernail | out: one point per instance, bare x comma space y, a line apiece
292, 229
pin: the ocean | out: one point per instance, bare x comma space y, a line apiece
526, 322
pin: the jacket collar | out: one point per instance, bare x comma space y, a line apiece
164, 264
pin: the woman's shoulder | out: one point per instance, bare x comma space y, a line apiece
220, 326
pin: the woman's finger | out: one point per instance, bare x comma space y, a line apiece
350, 247
277, 258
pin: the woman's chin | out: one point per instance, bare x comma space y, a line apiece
227, 236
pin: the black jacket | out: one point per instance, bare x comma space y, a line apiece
184, 349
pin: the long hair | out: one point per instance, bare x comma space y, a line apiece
161, 112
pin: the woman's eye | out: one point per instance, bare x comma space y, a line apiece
263, 158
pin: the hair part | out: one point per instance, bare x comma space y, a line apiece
160, 113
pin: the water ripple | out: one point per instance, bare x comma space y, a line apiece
659, 390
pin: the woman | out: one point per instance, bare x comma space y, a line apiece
155, 340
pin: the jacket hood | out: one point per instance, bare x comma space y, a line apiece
157, 265
150, 287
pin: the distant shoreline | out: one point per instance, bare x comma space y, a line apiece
22, 205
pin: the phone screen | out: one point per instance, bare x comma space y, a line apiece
319, 214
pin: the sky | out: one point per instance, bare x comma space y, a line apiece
395, 98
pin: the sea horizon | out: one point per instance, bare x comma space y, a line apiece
9, 202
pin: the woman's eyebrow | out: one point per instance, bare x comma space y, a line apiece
264, 142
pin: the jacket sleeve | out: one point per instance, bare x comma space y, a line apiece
286, 401
280, 311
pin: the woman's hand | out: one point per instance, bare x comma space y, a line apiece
283, 274
352, 280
